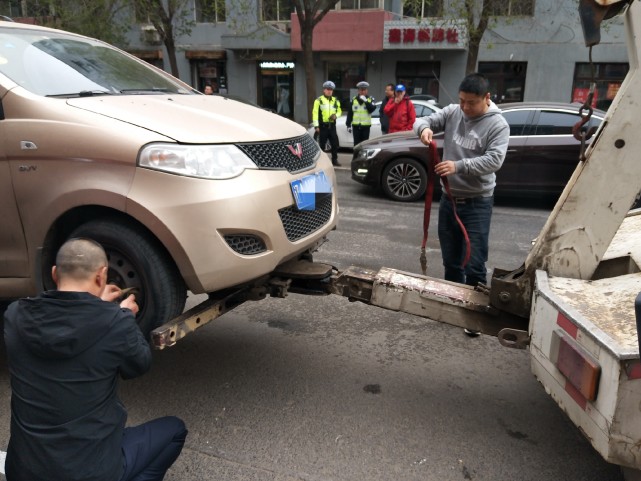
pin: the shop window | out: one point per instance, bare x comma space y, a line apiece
211, 72
507, 80
210, 11
423, 8
345, 76
277, 10
11, 8
419, 78
360, 4
512, 8
20, 8
608, 78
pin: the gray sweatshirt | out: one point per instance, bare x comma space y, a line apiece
477, 146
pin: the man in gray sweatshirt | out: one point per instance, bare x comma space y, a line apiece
476, 140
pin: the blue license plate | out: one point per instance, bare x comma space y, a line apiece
310, 189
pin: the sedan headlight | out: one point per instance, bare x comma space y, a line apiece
204, 161
367, 154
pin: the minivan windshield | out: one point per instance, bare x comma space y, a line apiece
59, 65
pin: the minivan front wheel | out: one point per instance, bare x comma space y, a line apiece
135, 260
404, 180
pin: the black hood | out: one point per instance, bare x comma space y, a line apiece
61, 324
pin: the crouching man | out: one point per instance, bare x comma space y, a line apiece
67, 349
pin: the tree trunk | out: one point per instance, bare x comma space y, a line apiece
308, 65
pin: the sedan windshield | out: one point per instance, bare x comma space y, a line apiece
60, 65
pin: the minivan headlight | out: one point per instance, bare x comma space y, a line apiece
204, 161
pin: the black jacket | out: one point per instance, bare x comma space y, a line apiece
66, 351
384, 118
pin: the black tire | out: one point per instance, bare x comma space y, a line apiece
135, 260
404, 180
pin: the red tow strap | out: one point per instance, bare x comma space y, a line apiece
435, 158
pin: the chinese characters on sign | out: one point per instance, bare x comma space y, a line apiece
409, 35
424, 35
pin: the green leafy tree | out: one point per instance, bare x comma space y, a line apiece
170, 18
310, 13
103, 19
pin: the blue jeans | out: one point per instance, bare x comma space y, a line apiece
151, 448
476, 214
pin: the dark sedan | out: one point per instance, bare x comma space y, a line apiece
541, 156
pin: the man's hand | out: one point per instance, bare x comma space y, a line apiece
317, 129
111, 293
332, 117
426, 136
130, 303
349, 130
446, 167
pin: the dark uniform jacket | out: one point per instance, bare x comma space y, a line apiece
66, 351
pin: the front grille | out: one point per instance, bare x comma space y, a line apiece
301, 223
246, 244
278, 155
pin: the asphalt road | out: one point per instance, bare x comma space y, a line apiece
319, 389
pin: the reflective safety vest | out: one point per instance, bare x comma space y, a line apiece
324, 108
360, 113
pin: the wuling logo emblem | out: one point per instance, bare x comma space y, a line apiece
296, 149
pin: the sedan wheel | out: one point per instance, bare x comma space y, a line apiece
404, 180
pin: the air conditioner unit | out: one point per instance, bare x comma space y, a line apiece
149, 35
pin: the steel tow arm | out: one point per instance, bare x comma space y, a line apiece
423, 296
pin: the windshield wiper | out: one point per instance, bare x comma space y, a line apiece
82, 93
153, 90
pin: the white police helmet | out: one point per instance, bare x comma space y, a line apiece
329, 85
362, 85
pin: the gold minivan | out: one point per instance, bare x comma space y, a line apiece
185, 191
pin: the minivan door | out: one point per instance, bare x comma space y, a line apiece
13, 248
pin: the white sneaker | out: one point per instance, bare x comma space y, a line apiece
472, 333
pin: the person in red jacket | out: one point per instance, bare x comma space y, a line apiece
400, 112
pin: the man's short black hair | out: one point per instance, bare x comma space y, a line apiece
391, 85
475, 83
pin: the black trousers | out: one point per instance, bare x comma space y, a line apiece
151, 448
361, 133
328, 132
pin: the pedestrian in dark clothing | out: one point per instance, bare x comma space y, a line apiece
389, 95
66, 350
475, 144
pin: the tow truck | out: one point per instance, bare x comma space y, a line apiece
572, 302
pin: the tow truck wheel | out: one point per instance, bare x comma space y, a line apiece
139, 262
404, 180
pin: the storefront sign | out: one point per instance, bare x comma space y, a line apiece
277, 65
410, 35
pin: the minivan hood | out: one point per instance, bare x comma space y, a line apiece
193, 119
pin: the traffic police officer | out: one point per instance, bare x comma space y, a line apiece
326, 109
359, 117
